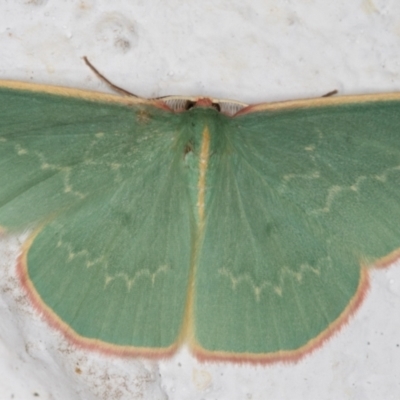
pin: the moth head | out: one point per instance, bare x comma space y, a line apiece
181, 104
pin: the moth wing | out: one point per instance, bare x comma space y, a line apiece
301, 201
105, 184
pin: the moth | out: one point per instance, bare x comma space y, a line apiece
246, 232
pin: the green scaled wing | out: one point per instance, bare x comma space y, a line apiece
107, 188
302, 199
249, 237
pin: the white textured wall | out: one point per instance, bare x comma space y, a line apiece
252, 51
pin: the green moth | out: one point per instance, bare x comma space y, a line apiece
246, 232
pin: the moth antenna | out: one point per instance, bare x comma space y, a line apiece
104, 79
331, 93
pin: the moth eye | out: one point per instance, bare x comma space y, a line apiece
216, 106
189, 104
